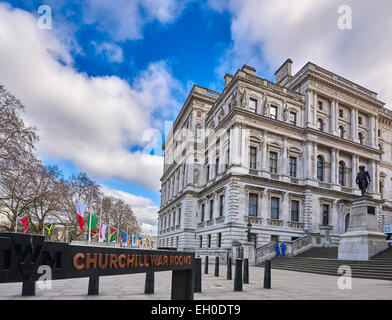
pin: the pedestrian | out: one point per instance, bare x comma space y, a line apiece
277, 249
283, 247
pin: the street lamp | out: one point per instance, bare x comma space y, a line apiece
249, 227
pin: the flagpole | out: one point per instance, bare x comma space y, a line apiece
16, 223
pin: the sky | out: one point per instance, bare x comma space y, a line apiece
100, 78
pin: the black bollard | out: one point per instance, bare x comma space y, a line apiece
198, 275
28, 288
228, 269
149, 283
216, 266
267, 274
93, 286
246, 271
206, 266
238, 275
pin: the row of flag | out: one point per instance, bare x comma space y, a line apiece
131, 240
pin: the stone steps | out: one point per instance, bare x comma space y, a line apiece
324, 261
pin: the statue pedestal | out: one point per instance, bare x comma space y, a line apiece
363, 239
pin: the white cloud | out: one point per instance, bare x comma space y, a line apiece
111, 51
124, 19
144, 208
92, 121
305, 30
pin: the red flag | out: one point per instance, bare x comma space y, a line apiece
25, 222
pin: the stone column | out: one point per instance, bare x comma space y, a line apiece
284, 158
354, 170
372, 173
264, 206
308, 114
315, 107
333, 117
307, 210
333, 165
264, 170
234, 144
285, 207
308, 160
371, 130
315, 150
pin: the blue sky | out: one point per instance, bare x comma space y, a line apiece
110, 73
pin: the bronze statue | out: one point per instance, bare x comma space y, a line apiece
363, 180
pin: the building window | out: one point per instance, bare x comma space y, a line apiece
320, 168
295, 210
179, 216
200, 241
274, 112
320, 105
252, 157
274, 208
320, 125
360, 137
379, 133
325, 214
217, 167
253, 105
341, 173
209, 241
293, 167
341, 132
176, 242
341, 114
219, 240
211, 209
293, 118
221, 205
359, 120
273, 162
208, 172
252, 209
203, 209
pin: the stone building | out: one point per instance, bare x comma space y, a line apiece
282, 156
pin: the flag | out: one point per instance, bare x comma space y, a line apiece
124, 236
49, 228
93, 223
112, 237
80, 208
102, 232
140, 241
72, 234
25, 222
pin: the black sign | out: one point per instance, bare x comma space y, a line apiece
21, 255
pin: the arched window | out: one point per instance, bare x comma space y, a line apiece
320, 125
341, 131
320, 168
341, 173
360, 137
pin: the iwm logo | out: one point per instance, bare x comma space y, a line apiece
24, 259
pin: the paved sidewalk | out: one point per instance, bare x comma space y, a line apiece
286, 285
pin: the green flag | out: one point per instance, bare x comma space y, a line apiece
49, 228
94, 221
72, 234
113, 235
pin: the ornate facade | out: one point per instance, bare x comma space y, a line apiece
282, 156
